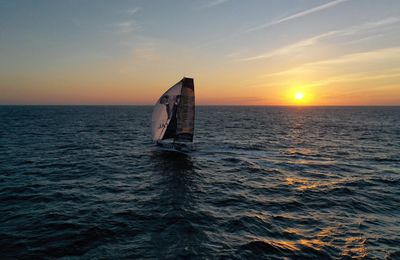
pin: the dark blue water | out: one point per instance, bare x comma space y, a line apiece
264, 182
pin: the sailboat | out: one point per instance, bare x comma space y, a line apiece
173, 117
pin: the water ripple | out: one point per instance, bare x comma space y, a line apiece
264, 182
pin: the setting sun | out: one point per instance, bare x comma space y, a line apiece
299, 95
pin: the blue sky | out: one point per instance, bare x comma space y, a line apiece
239, 52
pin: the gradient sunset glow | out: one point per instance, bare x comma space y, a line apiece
239, 52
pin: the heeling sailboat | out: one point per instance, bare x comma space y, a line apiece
173, 117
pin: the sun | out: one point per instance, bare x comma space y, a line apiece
299, 95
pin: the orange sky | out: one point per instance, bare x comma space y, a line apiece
131, 52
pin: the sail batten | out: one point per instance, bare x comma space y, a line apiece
173, 114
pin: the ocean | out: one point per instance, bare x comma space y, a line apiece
263, 183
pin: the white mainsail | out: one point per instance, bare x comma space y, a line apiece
173, 114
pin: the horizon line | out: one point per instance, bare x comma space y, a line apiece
203, 105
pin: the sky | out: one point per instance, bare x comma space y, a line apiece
255, 52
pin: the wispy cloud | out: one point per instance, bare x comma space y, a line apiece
364, 39
284, 50
372, 92
360, 57
298, 15
128, 24
276, 22
350, 67
213, 3
352, 77
375, 70
126, 27
349, 31
133, 10
359, 77
367, 26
